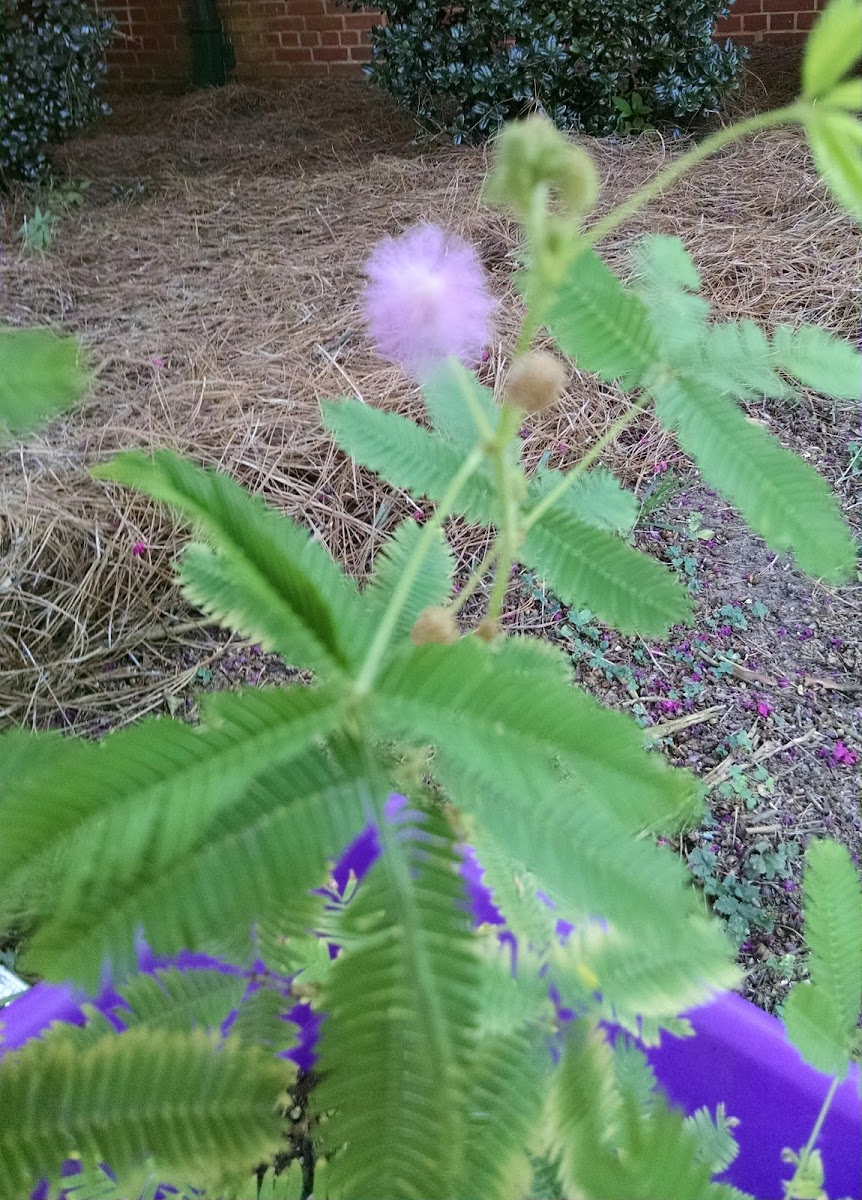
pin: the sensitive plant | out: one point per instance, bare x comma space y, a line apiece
451, 1061
611, 66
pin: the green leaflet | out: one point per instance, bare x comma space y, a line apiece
647, 974
433, 585
717, 1146
833, 46
666, 279
605, 327
503, 1103
458, 405
409, 457
596, 498
156, 779
267, 578
847, 95
593, 568
738, 361
180, 1000
40, 375
467, 699
822, 1016
827, 364
259, 1021
781, 498
835, 138
402, 1023
592, 1118
256, 862
181, 1099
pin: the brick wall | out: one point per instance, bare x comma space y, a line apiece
272, 38
771, 21
277, 39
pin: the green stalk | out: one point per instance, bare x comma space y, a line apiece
476, 577
812, 1141
377, 650
788, 115
610, 435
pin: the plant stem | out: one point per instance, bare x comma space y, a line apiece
812, 1141
610, 435
654, 187
476, 577
703, 150
380, 644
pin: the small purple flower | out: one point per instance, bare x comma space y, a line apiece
426, 299
139, 549
763, 708
843, 754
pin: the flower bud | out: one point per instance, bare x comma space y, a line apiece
535, 381
435, 625
533, 152
488, 629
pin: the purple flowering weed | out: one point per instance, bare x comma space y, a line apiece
427, 299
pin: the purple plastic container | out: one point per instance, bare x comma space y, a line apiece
739, 1054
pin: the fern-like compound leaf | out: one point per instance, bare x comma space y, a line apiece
835, 138
666, 280
737, 360
604, 326
40, 375
409, 457
478, 704
593, 568
458, 405
180, 1100
827, 364
597, 498
822, 1016
432, 586
610, 1150
781, 498
255, 861
402, 1023
171, 999
267, 578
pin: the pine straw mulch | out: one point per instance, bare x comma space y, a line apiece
214, 276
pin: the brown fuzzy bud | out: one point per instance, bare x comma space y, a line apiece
536, 381
488, 629
435, 625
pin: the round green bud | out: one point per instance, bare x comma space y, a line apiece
531, 153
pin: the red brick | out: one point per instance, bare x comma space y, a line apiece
331, 54
310, 37
291, 54
782, 20
350, 37
361, 20
782, 6
331, 37
805, 20
729, 25
360, 53
745, 6
326, 22
312, 8
754, 21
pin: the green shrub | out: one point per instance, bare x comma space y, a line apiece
51, 61
470, 68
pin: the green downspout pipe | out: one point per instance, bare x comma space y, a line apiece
212, 53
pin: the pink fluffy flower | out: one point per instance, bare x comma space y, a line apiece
426, 299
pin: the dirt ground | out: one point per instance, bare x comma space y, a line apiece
213, 272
